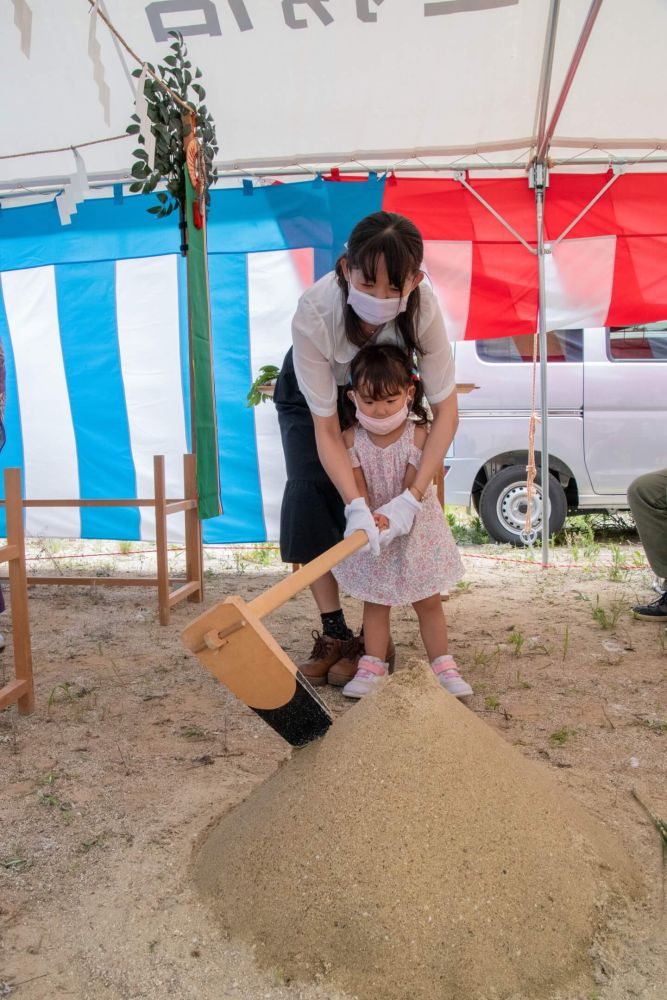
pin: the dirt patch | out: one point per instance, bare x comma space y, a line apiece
413, 853
134, 751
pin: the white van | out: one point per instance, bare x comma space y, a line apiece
607, 392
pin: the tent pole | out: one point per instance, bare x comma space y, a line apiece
544, 140
539, 175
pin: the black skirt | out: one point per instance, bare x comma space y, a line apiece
312, 517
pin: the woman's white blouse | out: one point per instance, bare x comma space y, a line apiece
322, 353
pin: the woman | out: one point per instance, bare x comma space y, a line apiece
375, 295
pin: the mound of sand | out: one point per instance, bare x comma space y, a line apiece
412, 853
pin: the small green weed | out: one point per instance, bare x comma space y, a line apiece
607, 618
482, 657
49, 778
55, 802
260, 556
561, 736
125, 547
16, 863
617, 572
94, 841
467, 529
566, 641
464, 586
491, 703
517, 640
194, 733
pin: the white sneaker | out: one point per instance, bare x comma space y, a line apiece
450, 679
369, 673
2, 643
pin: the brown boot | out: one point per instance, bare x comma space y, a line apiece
351, 651
325, 653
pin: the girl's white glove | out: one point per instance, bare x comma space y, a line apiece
357, 515
400, 513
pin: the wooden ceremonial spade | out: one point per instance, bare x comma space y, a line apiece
234, 645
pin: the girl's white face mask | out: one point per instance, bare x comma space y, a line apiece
372, 310
382, 425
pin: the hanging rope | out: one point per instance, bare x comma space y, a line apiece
174, 96
529, 533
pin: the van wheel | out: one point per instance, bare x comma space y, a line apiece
502, 506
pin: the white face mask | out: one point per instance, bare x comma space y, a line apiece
372, 310
382, 425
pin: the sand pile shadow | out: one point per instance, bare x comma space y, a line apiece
412, 853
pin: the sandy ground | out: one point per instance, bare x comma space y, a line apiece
134, 750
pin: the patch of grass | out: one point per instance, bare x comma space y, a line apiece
492, 703
67, 693
464, 586
561, 736
467, 529
95, 841
482, 657
260, 556
607, 618
617, 572
194, 733
653, 725
55, 802
125, 547
517, 640
15, 862
49, 778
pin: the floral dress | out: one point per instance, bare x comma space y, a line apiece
413, 566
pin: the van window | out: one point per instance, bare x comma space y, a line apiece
638, 343
562, 345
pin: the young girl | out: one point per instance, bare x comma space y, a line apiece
385, 446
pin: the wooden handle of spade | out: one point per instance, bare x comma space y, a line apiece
275, 596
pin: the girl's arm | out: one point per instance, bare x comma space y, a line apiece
440, 437
420, 438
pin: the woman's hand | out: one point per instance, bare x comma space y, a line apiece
358, 516
401, 512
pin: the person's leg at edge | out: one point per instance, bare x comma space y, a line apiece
373, 665
433, 629
647, 496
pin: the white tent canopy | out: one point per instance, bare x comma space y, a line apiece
296, 87
317, 83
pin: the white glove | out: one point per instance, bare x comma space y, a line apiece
357, 515
400, 513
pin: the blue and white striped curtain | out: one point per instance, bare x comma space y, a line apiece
93, 321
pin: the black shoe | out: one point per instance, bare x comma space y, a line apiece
656, 611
